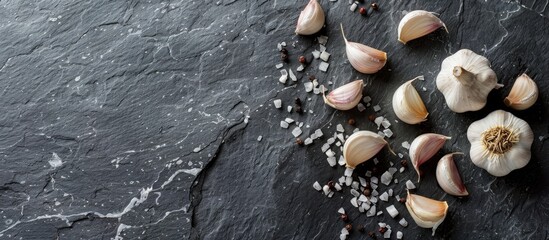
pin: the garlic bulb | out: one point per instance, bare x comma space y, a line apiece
311, 19
417, 24
448, 176
524, 93
424, 147
361, 146
346, 96
465, 79
363, 58
408, 105
426, 212
500, 143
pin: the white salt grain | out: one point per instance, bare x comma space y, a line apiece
322, 39
363, 198
348, 181
374, 180
316, 91
387, 234
326, 189
300, 124
361, 107
376, 161
400, 155
330, 153
410, 185
372, 211
348, 172
337, 187
373, 185
406, 145
319, 133
283, 44
384, 197
373, 199
368, 173
367, 99
284, 124
385, 123
324, 56
355, 185
289, 120
378, 121
300, 68
392, 170
308, 141
325, 147
386, 178
290, 109
331, 161
338, 143
323, 66
339, 128
341, 161
422, 78
381, 134
330, 140
360, 208
341, 211
277, 103
316, 54
308, 86
366, 206
322, 48
342, 237
354, 202
362, 181
317, 186
341, 180
259, 138
279, 66
355, 193
399, 235
403, 222
353, 7
340, 137
401, 169
377, 108
296, 132
292, 75
390, 192
331, 195
392, 211
388, 133
379, 214
283, 76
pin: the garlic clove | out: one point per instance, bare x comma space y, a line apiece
500, 143
448, 176
524, 93
465, 80
417, 24
346, 96
424, 147
361, 146
363, 58
408, 105
426, 212
311, 19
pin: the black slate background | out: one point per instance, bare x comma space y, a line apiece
154, 109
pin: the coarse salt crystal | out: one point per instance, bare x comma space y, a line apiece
371, 212
362, 181
344, 231
316, 91
368, 173
342, 237
367, 99
325, 147
348, 172
406, 145
374, 180
317, 186
403, 222
259, 138
377, 108
355, 193
392, 170
410, 185
378, 121
373, 185
386, 178
373, 199
361, 107
390, 192
340, 137
338, 143
330, 140
384, 197
279, 66
353, 7
400, 155
300, 68
300, 124
292, 75
366, 205
284, 124
422, 78
322, 48
324, 56
376, 161
392, 211
360, 208
354, 202
331, 194
341, 211
388, 133
308, 141
289, 120
387, 234
363, 198
396, 180
323, 66
355, 185
382, 224
283, 76
399, 235
341, 161
424, 89
331, 161
279, 47
348, 181
339, 128
341, 180
379, 214
385, 123
283, 44
319, 133
381, 134
277, 103
316, 54
326, 189
401, 169
322, 39
290, 108
308, 86
296, 132
337, 187
330, 153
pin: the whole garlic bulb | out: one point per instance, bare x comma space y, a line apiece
500, 143
465, 79
311, 19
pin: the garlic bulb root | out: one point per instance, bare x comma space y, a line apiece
311, 19
363, 58
500, 143
408, 105
524, 93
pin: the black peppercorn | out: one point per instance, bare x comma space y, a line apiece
284, 57
344, 217
366, 192
331, 184
302, 59
349, 227
297, 101
351, 121
312, 77
382, 229
362, 10
283, 50
299, 141
402, 200
374, 6
360, 228
404, 163
298, 109
372, 117
372, 234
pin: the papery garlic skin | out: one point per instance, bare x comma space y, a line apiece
363, 58
448, 176
345, 97
500, 143
418, 23
361, 146
311, 19
465, 80
424, 147
524, 93
426, 212
408, 105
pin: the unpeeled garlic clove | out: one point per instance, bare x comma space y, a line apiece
424, 147
363, 58
448, 176
311, 19
408, 105
361, 146
346, 96
524, 93
426, 212
417, 24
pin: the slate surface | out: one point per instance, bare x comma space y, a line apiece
140, 119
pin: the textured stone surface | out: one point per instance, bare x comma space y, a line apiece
139, 120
